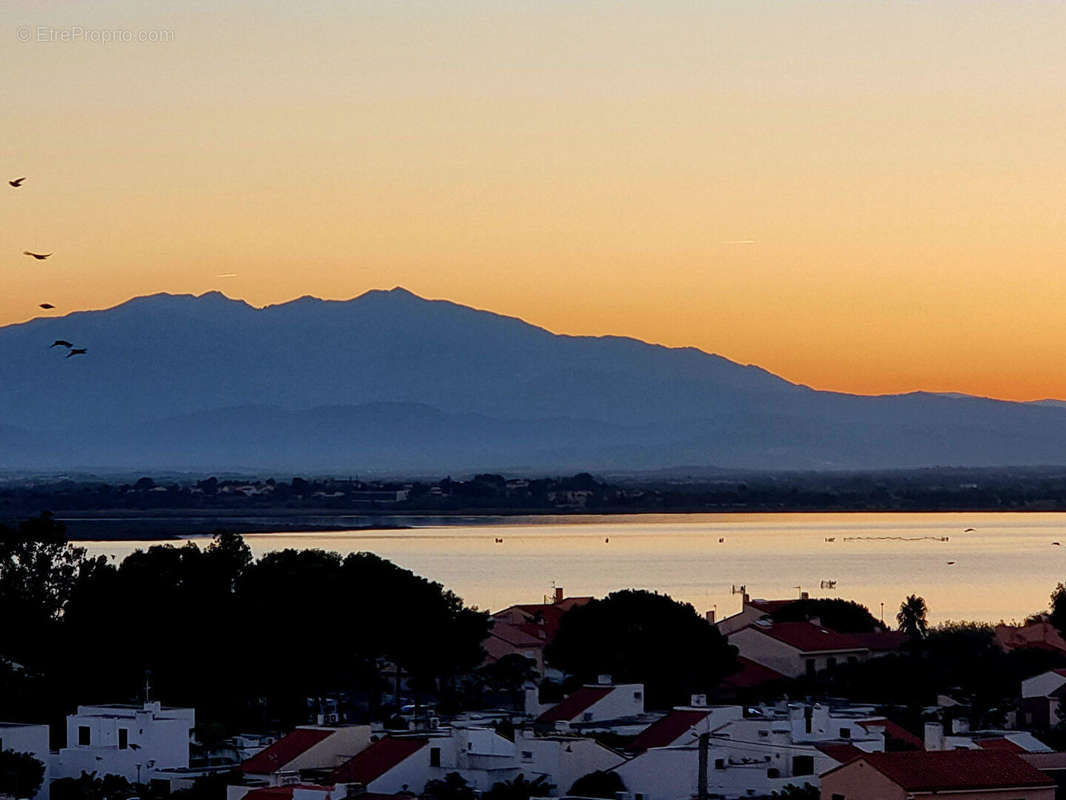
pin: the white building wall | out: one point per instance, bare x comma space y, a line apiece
626, 700
1042, 685
156, 738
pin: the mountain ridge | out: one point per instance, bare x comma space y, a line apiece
417, 383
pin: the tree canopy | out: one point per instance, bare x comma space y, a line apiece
354, 612
20, 774
643, 637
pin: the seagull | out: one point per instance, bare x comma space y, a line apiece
77, 351
17, 182
60, 343
46, 306
38, 256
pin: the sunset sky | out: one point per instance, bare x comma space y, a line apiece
861, 196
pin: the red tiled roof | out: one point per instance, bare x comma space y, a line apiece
515, 635
548, 615
893, 731
284, 750
575, 704
1000, 743
940, 770
666, 731
808, 637
838, 751
751, 674
376, 760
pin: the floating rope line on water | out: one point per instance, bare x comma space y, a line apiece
897, 538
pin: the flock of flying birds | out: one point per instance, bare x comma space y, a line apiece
71, 349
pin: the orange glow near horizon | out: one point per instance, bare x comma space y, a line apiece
858, 197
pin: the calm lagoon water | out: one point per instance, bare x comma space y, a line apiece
1005, 568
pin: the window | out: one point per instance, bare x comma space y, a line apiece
637, 695
83, 735
845, 733
808, 718
719, 763
123, 738
587, 716
773, 772
764, 733
638, 796
527, 755
434, 756
802, 765
810, 668
830, 663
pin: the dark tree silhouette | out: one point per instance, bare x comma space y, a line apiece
20, 774
643, 637
520, 788
451, 787
598, 784
845, 616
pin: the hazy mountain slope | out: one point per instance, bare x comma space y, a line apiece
391, 381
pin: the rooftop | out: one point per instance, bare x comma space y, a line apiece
945, 770
285, 750
376, 760
574, 705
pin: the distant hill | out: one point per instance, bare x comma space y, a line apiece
389, 381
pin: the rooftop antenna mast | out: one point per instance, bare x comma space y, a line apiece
147, 686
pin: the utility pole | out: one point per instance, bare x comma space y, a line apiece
704, 747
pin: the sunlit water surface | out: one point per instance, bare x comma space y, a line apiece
1005, 568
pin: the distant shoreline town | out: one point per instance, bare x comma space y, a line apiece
147, 507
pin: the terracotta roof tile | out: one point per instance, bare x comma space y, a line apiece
575, 704
942, 770
376, 760
284, 750
666, 731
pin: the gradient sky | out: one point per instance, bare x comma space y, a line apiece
862, 196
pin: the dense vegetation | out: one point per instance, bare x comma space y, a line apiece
246, 642
643, 637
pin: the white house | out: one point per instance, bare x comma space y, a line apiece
481, 756
306, 747
32, 739
600, 705
1041, 698
128, 740
749, 753
797, 648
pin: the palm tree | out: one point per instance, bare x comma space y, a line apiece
911, 617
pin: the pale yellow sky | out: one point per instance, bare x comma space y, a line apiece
862, 196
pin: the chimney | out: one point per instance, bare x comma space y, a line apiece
699, 701
559, 594
710, 616
805, 595
604, 680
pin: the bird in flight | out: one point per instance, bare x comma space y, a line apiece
77, 351
17, 182
60, 343
38, 256
46, 306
